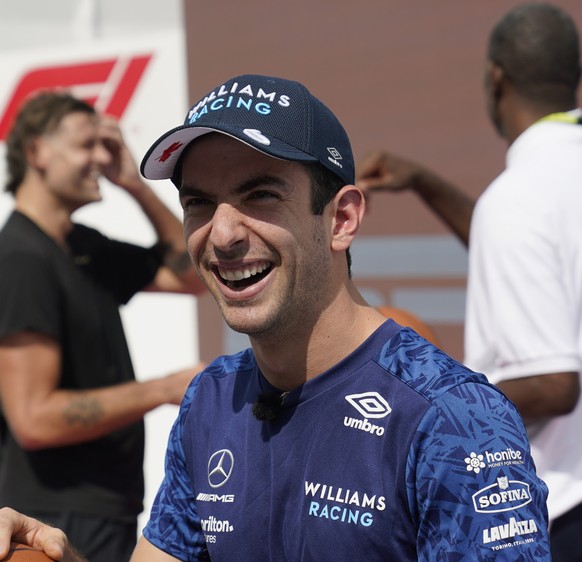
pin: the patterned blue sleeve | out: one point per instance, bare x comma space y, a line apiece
471, 482
174, 525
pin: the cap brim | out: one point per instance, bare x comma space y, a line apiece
161, 158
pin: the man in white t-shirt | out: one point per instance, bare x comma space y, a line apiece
524, 301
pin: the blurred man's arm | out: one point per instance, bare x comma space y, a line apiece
383, 171
177, 274
543, 396
145, 551
42, 415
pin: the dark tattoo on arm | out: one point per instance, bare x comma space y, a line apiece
178, 263
83, 411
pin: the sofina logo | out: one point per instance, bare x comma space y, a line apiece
504, 495
370, 405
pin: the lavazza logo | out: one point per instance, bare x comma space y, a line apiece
370, 405
513, 533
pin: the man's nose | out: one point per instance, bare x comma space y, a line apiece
228, 227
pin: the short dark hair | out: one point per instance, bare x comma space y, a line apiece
324, 185
537, 47
39, 115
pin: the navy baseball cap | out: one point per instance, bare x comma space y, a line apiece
278, 117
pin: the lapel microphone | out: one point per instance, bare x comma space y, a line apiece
268, 406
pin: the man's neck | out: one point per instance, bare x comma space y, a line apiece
54, 221
287, 362
520, 115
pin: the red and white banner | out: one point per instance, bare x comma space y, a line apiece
108, 83
140, 80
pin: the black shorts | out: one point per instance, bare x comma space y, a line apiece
565, 534
99, 539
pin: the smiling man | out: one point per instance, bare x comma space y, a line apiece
339, 435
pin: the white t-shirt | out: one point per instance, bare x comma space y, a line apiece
524, 302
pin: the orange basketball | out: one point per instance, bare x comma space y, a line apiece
23, 553
406, 318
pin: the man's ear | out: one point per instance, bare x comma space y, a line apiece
349, 207
494, 80
37, 153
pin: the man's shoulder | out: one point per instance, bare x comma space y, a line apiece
226, 372
225, 366
82, 233
20, 238
423, 367
226, 383
16, 227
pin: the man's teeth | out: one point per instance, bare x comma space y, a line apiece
238, 275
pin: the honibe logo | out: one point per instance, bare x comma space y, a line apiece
371, 405
474, 463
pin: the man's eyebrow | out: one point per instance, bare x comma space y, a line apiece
265, 180
185, 190
245, 187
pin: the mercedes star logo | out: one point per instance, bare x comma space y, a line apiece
220, 468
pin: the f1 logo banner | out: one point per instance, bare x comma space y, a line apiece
108, 84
